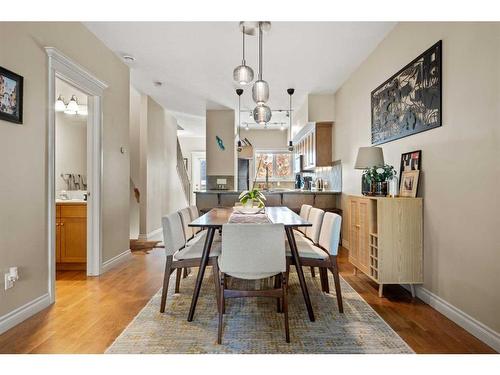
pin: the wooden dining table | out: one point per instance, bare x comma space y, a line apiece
217, 217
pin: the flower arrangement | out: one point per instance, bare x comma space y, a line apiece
249, 197
376, 179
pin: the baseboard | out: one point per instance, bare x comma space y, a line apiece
107, 265
467, 322
154, 233
22, 313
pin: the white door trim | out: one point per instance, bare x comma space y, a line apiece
60, 66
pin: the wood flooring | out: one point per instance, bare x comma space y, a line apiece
90, 312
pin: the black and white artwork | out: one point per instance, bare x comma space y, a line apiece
11, 96
410, 101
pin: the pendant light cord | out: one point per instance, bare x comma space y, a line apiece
243, 62
260, 51
290, 116
239, 118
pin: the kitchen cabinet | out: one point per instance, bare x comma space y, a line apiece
386, 239
314, 143
71, 236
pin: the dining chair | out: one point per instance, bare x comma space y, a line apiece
183, 254
315, 217
253, 252
304, 214
323, 254
195, 214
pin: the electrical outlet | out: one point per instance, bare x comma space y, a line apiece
9, 283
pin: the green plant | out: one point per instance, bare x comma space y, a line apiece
379, 174
252, 195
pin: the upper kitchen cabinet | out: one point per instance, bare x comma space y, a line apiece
314, 143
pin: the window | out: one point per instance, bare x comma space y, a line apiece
278, 164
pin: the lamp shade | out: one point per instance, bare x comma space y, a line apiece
243, 74
369, 157
260, 92
262, 114
60, 106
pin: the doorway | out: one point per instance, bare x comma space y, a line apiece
63, 69
198, 173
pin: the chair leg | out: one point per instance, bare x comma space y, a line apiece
313, 273
187, 270
284, 286
166, 278
336, 279
221, 309
215, 273
178, 279
277, 285
323, 274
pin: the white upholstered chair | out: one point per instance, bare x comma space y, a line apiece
252, 252
323, 254
181, 253
304, 214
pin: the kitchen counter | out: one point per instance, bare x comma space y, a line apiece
71, 201
327, 200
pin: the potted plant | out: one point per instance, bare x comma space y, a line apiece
249, 198
377, 177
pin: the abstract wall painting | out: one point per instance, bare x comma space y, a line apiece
410, 101
11, 96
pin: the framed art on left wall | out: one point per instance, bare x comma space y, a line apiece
11, 96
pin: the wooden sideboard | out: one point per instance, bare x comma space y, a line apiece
71, 236
386, 239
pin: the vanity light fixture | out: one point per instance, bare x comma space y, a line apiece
239, 92
290, 142
72, 107
243, 74
60, 105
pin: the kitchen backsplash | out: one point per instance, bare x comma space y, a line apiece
331, 175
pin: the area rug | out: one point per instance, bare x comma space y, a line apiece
252, 325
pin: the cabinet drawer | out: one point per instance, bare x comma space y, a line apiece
74, 210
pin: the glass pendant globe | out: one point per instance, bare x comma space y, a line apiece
262, 114
260, 91
243, 74
72, 105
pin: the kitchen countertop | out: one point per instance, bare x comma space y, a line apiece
270, 192
70, 201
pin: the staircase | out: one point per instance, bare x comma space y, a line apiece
182, 172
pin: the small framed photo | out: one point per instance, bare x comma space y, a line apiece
410, 161
11, 96
409, 184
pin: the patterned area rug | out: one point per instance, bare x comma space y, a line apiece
252, 325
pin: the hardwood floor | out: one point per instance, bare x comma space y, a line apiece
91, 312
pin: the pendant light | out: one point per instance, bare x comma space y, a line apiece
60, 105
239, 92
290, 143
262, 114
243, 74
260, 89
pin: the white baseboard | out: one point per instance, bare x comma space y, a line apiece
467, 322
154, 233
22, 313
107, 265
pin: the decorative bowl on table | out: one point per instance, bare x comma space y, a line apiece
245, 210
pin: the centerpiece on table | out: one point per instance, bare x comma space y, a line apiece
377, 178
252, 198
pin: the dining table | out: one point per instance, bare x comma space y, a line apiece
213, 221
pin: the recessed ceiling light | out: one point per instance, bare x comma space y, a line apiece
128, 58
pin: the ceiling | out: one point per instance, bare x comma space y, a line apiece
195, 61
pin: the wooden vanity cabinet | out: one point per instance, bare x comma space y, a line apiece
71, 236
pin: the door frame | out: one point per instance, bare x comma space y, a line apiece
197, 155
62, 67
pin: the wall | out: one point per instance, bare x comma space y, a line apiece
459, 159
71, 147
220, 162
23, 152
321, 107
153, 161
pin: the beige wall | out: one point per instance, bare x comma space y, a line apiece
23, 152
153, 147
220, 123
190, 144
321, 107
460, 159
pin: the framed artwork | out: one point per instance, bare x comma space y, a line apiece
11, 96
409, 184
410, 161
410, 101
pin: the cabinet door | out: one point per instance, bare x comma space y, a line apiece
354, 231
73, 233
363, 236
58, 241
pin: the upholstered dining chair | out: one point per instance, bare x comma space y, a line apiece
253, 252
323, 254
304, 214
195, 214
315, 217
182, 254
